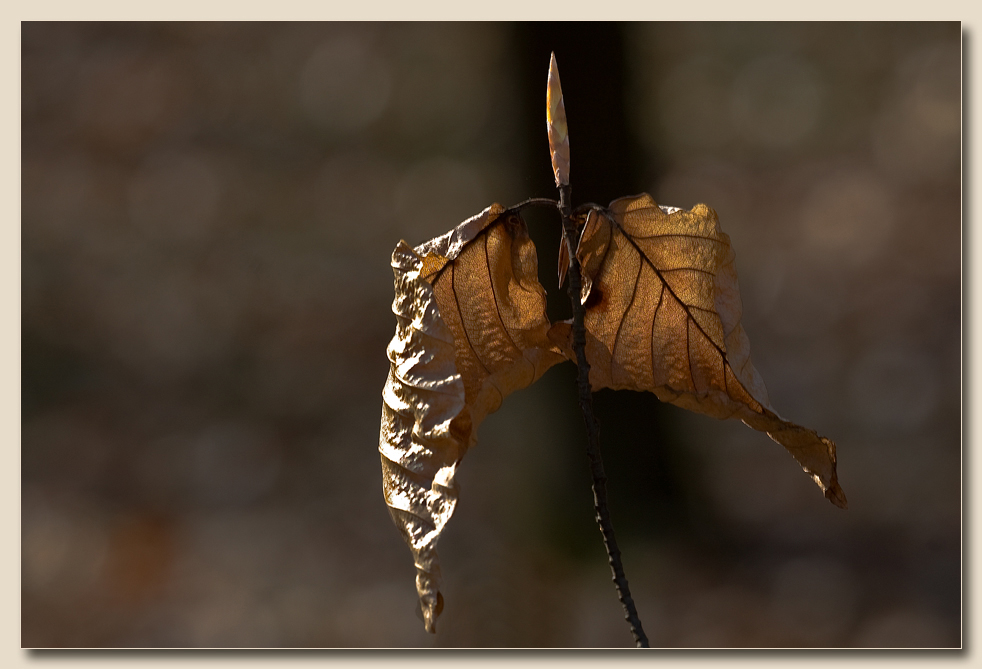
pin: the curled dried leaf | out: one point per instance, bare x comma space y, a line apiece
471, 328
663, 315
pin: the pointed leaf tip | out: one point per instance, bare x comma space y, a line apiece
556, 125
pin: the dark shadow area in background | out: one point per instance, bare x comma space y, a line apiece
652, 487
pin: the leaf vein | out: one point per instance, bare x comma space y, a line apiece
620, 324
678, 269
688, 355
497, 311
680, 234
654, 317
658, 272
463, 326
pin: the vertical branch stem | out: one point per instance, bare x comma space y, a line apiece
571, 235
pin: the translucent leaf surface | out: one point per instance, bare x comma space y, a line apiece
471, 328
663, 315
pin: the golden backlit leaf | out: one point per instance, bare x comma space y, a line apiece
471, 328
663, 315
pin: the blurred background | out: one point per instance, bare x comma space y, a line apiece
208, 212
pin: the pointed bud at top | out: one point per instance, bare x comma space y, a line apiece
556, 125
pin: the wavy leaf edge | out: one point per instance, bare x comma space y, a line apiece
435, 397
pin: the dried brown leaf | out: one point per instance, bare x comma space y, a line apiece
471, 328
663, 315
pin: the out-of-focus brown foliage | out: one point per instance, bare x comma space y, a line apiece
471, 329
664, 315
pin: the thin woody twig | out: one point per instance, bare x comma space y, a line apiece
559, 149
535, 201
593, 428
